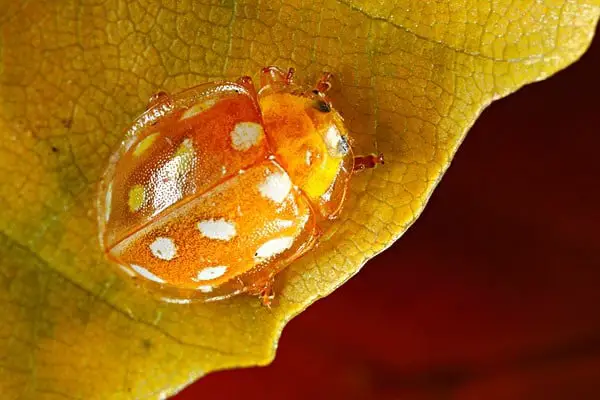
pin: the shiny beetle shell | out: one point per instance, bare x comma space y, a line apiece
216, 189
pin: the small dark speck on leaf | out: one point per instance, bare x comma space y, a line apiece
147, 344
54, 149
67, 123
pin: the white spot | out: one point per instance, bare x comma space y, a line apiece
241, 171
197, 109
223, 170
205, 288
283, 223
273, 247
146, 274
209, 273
163, 248
218, 229
246, 135
332, 138
276, 187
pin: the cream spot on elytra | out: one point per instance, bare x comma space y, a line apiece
209, 273
163, 248
145, 144
273, 247
276, 187
246, 135
197, 109
218, 229
136, 197
146, 274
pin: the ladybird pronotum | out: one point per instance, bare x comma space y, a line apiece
216, 189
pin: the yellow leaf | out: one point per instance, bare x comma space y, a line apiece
412, 76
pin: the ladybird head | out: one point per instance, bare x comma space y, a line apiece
309, 138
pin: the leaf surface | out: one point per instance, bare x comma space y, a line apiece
411, 79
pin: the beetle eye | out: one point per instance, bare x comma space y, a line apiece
321, 106
315, 91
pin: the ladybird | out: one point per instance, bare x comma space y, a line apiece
216, 189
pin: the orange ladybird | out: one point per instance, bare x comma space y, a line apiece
216, 189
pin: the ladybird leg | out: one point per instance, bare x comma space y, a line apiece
276, 76
246, 82
324, 83
367, 162
289, 77
265, 292
157, 98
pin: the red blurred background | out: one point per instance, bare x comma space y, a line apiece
493, 294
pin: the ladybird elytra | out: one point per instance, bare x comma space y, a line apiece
216, 189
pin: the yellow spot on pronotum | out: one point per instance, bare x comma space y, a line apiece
136, 197
145, 144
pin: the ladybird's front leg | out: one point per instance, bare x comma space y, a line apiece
366, 162
276, 76
324, 83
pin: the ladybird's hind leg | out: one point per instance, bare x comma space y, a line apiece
276, 76
265, 292
366, 162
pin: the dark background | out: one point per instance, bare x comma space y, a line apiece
494, 293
